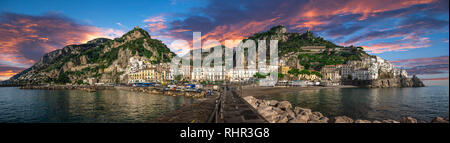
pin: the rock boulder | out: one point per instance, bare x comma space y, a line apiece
362, 121
408, 120
284, 105
390, 121
439, 120
342, 119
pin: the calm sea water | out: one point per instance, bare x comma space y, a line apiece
423, 103
18, 105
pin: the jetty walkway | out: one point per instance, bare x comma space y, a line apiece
231, 108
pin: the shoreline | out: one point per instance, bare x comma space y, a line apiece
149, 90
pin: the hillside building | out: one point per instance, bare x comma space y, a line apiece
313, 49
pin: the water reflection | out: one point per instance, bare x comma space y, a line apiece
79, 106
363, 103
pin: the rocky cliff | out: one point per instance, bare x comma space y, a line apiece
103, 59
396, 82
291, 49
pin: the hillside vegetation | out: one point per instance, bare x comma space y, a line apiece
289, 46
94, 57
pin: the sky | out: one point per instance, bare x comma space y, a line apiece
412, 34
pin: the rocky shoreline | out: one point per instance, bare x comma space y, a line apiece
397, 82
283, 112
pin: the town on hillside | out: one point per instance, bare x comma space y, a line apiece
135, 59
353, 72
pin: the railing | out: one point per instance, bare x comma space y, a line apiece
217, 114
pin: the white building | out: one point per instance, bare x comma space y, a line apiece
346, 71
373, 71
361, 75
208, 74
240, 74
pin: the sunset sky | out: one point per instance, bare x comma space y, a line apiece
413, 34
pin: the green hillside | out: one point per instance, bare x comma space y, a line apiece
291, 43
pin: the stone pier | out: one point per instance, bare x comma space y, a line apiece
234, 109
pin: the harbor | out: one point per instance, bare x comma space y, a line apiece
189, 90
231, 104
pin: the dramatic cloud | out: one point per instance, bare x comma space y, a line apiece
155, 24
158, 29
410, 31
236, 32
24, 39
442, 78
4, 75
337, 20
429, 69
398, 45
421, 61
377, 25
412, 25
421, 66
6, 71
365, 9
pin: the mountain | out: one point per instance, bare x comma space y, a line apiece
291, 49
104, 59
110, 60
310, 52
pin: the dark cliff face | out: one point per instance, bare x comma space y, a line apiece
54, 56
75, 63
391, 82
416, 82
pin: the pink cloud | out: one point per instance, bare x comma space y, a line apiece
421, 61
408, 42
424, 66
442, 78
24, 39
